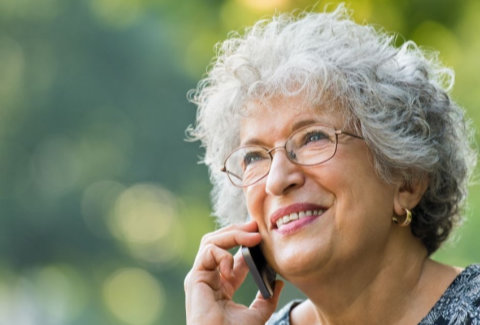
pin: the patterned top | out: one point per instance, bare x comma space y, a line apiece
459, 304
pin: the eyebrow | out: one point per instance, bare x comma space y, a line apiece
300, 124
297, 125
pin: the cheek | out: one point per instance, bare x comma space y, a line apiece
254, 197
359, 193
366, 203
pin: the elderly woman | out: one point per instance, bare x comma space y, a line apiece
346, 159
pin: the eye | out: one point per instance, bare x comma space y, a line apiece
251, 157
315, 136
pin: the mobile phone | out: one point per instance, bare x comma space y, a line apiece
262, 273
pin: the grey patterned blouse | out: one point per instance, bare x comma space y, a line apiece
459, 304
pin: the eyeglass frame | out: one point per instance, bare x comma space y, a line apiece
284, 146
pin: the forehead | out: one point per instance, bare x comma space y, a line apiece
280, 115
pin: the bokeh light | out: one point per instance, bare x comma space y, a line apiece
265, 5
54, 294
435, 36
12, 66
144, 219
97, 201
143, 213
27, 9
164, 252
60, 292
134, 296
117, 13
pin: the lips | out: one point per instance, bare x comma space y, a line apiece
295, 212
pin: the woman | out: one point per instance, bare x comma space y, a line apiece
347, 160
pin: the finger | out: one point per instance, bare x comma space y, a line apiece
249, 226
232, 236
202, 287
266, 307
224, 239
211, 279
214, 258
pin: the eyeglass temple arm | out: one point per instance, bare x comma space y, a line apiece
224, 170
337, 132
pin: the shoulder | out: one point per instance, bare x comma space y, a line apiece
460, 303
282, 317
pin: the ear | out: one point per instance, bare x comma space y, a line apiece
407, 195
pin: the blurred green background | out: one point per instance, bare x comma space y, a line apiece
102, 202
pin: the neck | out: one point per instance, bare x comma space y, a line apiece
364, 290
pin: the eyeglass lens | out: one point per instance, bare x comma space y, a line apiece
307, 146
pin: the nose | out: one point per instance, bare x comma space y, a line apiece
284, 175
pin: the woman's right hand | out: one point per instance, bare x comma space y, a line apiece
216, 275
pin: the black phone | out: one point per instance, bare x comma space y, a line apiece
262, 273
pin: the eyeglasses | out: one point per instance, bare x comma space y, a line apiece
307, 146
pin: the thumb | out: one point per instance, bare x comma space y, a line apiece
266, 307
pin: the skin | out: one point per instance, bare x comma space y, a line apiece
354, 265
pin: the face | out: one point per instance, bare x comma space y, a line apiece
344, 208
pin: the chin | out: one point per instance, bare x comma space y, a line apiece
298, 260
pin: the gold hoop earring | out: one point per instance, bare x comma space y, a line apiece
406, 222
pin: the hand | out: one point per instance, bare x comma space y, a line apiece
216, 275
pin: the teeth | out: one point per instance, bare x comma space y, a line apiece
295, 216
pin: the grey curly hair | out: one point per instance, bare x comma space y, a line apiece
396, 97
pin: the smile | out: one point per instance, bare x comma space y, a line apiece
295, 216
